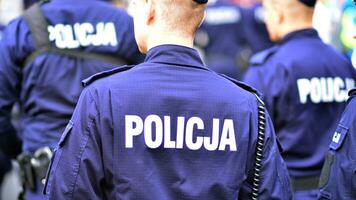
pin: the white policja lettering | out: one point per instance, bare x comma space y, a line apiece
157, 133
83, 35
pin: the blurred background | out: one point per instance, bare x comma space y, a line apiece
335, 21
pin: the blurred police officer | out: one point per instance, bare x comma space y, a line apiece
5, 162
44, 55
256, 36
168, 128
338, 178
254, 26
220, 38
304, 83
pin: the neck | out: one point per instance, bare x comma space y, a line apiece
295, 26
168, 37
299, 18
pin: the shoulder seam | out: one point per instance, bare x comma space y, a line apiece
261, 57
104, 74
240, 84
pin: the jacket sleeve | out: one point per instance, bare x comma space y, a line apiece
76, 171
273, 82
274, 177
338, 177
12, 52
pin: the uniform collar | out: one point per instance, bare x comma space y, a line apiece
304, 33
174, 55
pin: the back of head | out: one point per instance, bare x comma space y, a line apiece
285, 16
166, 21
181, 16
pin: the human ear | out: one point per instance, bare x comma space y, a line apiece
150, 12
280, 15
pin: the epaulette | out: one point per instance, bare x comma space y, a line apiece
243, 86
103, 74
261, 57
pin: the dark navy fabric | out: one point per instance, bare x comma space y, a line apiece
49, 87
340, 174
310, 3
221, 36
255, 30
201, 1
103, 155
5, 166
5, 161
304, 83
2, 27
28, 3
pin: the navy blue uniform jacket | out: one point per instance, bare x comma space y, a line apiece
166, 129
338, 180
48, 88
304, 83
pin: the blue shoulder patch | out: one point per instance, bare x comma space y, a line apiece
103, 74
339, 137
261, 57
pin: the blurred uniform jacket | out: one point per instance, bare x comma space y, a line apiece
220, 38
28, 3
168, 128
5, 162
304, 83
48, 87
338, 179
255, 31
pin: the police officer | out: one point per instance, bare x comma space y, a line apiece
5, 162
338, 178
255, 31
221, 38
168, 128
44, 55
304, 83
